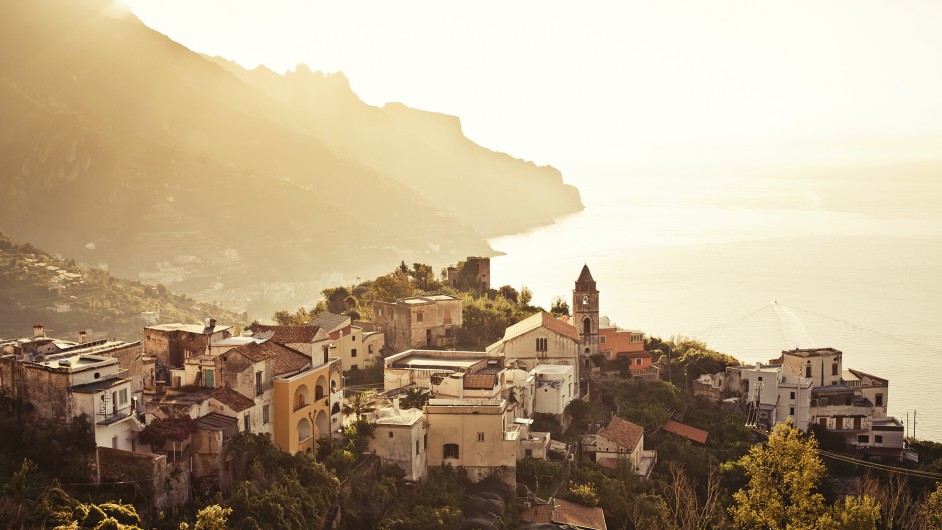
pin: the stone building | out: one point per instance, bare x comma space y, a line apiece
585, 312
430, 321
171, 344
475, 273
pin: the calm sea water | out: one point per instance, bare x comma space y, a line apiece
752, 275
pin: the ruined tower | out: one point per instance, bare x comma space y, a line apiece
585, 312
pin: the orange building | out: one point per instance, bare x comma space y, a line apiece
302, 408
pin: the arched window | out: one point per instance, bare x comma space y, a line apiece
587, 326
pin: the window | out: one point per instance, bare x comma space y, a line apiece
760, 378
247, 422
416, 448
419, 317
542, 344
258, 383
480, 436
450, 450
123, 396
834, 369
792, 395
528, 453
265, 414
353, 352
879, 400
807, 371
878, 439
425, 442
390, 434
354, 367
791, 411
208, 378
369, 349
602, 339
353, 338
638, 362
863, 439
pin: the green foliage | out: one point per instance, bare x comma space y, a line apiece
543, 422
526, 296
932, 510
852, 514
584, 494
415, 398
281, 490
784, 474
212, 517
559, 307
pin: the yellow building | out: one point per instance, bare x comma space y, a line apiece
302, 408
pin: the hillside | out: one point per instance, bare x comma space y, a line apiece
121, 146
37, 288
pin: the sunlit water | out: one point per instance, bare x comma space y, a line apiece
754, 280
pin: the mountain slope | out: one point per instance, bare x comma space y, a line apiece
38, 288
425, 150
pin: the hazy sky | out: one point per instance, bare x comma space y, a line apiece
599, 86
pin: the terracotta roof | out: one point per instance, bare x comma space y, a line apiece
623, 433
252, 351
570, 513
861, 375
232, 399
688, 432
480, 381
286, 334
286, 359
538, 320
541, 513
635, 354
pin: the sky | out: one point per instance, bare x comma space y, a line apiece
606, 86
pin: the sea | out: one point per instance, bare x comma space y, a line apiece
753, 267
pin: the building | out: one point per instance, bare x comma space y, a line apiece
62, 380
420, 367
475, 273
300, 338
401, 438
540, 339
615, 343
171, 344
352, 346
585, 312
430, 321
555, 388
623, 441
301, 401
772, 396
476, 434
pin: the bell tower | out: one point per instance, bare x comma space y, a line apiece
585, 313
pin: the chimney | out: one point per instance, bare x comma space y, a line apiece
82, 336
38, 331
396, 405
212, 323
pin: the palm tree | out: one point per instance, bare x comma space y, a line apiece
359, 405
415, 398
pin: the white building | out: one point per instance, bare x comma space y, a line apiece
555, 388
401, 438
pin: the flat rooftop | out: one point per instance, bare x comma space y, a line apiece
189, 328
552, 369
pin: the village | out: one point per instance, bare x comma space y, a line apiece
168, 406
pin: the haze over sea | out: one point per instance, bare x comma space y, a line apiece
757, 266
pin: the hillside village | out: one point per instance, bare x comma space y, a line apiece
172, 407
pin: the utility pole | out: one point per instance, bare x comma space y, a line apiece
914, 425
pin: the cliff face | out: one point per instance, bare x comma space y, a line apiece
119, 145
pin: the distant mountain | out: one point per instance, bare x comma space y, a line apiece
118, 145
36, 288
424, 150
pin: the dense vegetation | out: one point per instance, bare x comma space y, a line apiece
33, 284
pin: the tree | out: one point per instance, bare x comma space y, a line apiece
526, 296
686, 510
212, 517
932, 511
415, 398
852, 514
509, 293
560, 307
784, 473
